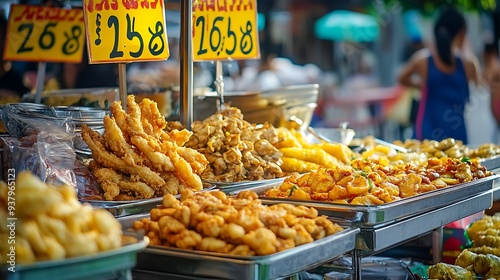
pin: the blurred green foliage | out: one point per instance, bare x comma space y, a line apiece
428, 7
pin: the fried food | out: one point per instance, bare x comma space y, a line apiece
51, 224
235, 149
299, 156
368, 182
136, 158
441, 271
242, 225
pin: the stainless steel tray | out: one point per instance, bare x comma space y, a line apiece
242, 184
113, 264
366, 216
130, 207
126, 208
491, 163
220, 266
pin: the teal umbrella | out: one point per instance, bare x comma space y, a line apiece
261, 21
347, 26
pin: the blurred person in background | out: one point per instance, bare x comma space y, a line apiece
492, 77
443, 77
11, 82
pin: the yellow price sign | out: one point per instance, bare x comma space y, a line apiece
225, 29
125, 30
44, 34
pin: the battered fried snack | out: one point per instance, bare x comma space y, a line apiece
236, 150
136, 158
441, 271
368, 182
51, 224
214, 222
309, 156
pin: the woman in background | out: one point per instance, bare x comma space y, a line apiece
443, 78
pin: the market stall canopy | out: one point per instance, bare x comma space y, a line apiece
347, 26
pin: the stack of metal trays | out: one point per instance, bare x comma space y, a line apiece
73, 118
371, 216
193, 264
113, 264
491, 163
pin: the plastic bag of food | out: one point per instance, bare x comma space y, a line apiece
44, 146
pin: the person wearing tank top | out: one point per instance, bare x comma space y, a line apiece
443, 78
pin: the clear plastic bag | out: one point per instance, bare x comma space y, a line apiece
44, 145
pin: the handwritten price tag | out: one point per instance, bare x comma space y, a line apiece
44, 34
225, 29
125, 30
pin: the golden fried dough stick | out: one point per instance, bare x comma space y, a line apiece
117, 143
94, 140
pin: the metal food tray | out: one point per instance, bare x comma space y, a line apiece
113, 264
491, 163
366, 216
126, 208
221, 266
232, 186
130, 207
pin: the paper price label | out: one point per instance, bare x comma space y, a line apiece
44, 34
225, 29
125, 30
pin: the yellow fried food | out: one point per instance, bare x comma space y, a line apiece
368, 182
53, 225
316, 155
242, 225
136, 158
291, 164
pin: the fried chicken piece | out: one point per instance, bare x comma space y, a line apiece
153, 121
120, 117
116, 142
212, 244
262, 241
197, 160
151, 149
169, 225
114, 183
95, 142
183, 170
242, 250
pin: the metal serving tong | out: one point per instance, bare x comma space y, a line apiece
390, 145
311, 130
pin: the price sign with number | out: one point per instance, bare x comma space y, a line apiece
225, 30
125, 30
44, 34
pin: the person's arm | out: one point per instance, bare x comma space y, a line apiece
472, 71
412, 74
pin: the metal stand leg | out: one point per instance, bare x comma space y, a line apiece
437, 245
356, 265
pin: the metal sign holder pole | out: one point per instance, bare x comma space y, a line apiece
219, 84
40, 81
122, 83
186, 59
